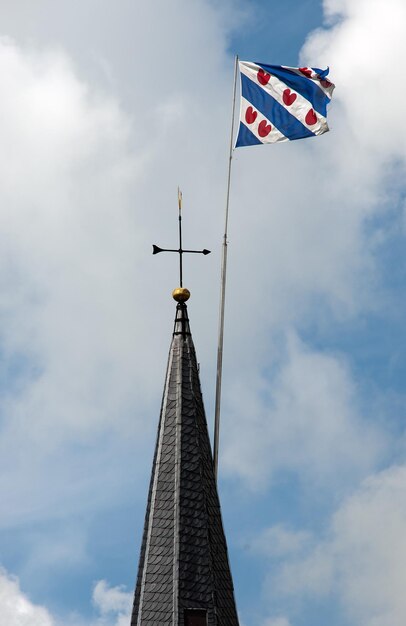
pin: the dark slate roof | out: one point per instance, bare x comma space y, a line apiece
183, 562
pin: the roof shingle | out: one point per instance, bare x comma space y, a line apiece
183, 561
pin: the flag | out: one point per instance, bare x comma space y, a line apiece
281, 103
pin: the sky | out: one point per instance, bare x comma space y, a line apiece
105, 108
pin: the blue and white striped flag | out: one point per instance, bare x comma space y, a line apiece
281, 103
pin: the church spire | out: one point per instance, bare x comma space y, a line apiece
184, 576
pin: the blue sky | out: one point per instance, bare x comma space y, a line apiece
105, 109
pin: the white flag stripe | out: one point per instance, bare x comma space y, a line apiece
328, 91
300, 107
272, 137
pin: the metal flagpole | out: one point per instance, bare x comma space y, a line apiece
223, 291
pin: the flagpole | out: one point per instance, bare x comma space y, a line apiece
223, 291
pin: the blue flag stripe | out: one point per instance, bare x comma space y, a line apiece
307, 88
246, 137
273, 111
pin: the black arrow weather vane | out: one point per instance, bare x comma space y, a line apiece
180, 250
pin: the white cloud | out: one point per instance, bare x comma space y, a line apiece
68, 146
15, 607
111, 599
362, 561
66, 174
369, 550
113, 606
305, 422
365, 48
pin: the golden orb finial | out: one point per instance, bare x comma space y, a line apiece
181, 294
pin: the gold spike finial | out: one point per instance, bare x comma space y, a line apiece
179, 200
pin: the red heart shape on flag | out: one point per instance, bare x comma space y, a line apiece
311, 118
263, 77
250, 115
326, 83
289, 97
306, 71
264, 129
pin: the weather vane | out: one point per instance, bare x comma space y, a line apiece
180, 251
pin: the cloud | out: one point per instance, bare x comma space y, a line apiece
368, 539
65, 164
305, 422
15, 607
365, 47
111, 599
361, 562
67, 144
113, 606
